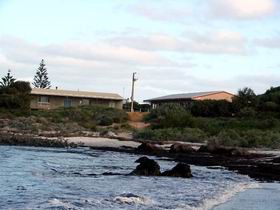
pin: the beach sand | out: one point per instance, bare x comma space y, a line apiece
102, 142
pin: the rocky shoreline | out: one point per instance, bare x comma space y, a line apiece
263, 167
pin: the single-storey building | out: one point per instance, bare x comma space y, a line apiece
186, 98
55, 98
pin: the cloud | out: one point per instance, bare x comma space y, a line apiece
242, 9
222, 41
100, 66
182, 11
97, 66
21, 51
213, 42
273, 43
163, 11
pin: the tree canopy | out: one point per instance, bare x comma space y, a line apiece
41, 79
7, 80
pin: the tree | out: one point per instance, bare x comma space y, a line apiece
245, 98
270, 100
41, 79
16, 96
7, 80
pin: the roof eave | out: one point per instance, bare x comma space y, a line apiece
81, 96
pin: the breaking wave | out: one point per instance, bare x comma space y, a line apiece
130, 198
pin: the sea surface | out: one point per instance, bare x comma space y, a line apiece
48, 178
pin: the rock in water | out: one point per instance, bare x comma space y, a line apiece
149, 148
147, 167
180, 170
181, 148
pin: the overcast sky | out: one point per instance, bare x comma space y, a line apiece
175, 46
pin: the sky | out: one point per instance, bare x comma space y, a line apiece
175, 46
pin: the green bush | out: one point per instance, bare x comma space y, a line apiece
16, 96
104, 120
248, 138
212, 108
169, 116
171, 134
87, 116
247, 112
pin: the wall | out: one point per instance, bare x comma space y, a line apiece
58, 101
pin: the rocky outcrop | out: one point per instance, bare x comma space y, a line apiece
149, 148
147, 167
203, 148
181, 148
224, 151
180, 170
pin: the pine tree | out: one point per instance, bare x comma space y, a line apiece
7, 80
41, 79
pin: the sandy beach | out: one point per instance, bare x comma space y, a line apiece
102, 142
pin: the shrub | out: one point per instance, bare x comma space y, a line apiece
247, 112
169, 116
171, 134
247, 138
104, 120
227, 138
271, 106
16, 96
86, 116
212, 108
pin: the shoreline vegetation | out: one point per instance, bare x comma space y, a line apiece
35, 141
249, 121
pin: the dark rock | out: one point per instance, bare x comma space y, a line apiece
149, 148
203, 148
230, 151
180, 170
276, 160
147, 167
142, 159
225, 151
181, 148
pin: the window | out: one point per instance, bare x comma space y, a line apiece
112, 105
44, 99
85, 102
67, 103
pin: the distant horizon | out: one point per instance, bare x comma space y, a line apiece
174, 46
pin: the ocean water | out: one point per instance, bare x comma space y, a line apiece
48, 178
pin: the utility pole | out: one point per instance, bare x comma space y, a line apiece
132, 91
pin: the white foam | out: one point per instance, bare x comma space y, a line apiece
57, 202
132, 199
208, 204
